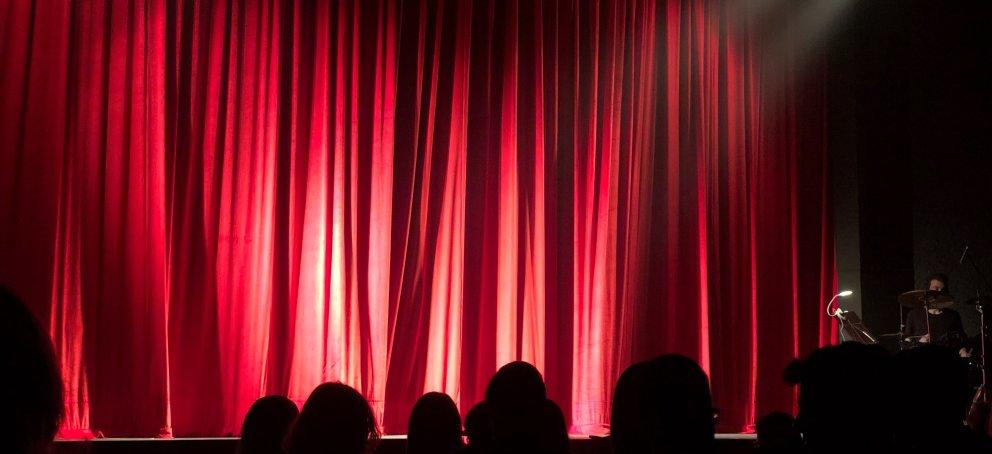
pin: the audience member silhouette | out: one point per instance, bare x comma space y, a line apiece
479, 429
551, 432
335, 419
31, 392
266, 425
777, 434
631, 422
933, 397
517, 384
663, 406
845, 399
852, 398
435, 426
516, 397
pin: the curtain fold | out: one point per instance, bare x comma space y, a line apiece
213, 201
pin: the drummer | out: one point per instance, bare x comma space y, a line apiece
945, 324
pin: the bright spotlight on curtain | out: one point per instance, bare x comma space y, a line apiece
209, 201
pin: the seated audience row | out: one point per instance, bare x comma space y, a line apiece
852, 398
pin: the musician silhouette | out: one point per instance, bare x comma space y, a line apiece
935, 325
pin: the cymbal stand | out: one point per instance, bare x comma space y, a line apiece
902, 325
981, 338
983, 363
980, 407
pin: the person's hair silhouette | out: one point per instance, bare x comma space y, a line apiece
31, 395
663, 406
266, 425
777, 434
516, 397
932, 401
845, 402
516, 384
551, 433
435, 426
334, 419
479, 429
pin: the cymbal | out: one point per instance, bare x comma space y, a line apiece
933, 299
983, 300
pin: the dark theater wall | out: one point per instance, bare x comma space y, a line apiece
952, 149
911, 144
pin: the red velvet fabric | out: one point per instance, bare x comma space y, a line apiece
209, 201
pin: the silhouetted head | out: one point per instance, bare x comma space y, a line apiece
479, 428
335, 419
845, 399
31, 396
516, 396
663, 406
266, 425
933, 392
939, 282
777, 434
435, 426
515, 384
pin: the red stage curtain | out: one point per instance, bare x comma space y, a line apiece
209, 201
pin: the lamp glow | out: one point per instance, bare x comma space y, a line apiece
831, 313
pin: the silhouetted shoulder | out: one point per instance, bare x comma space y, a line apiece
31, 391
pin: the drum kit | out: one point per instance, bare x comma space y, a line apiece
925, 300
852, 328
980, 412
932, 299
928, 300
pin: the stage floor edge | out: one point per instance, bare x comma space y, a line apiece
390, 444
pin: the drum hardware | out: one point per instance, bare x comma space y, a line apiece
980, 413
929, 299
925, 299
980, 301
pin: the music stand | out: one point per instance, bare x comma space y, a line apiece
852, 326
